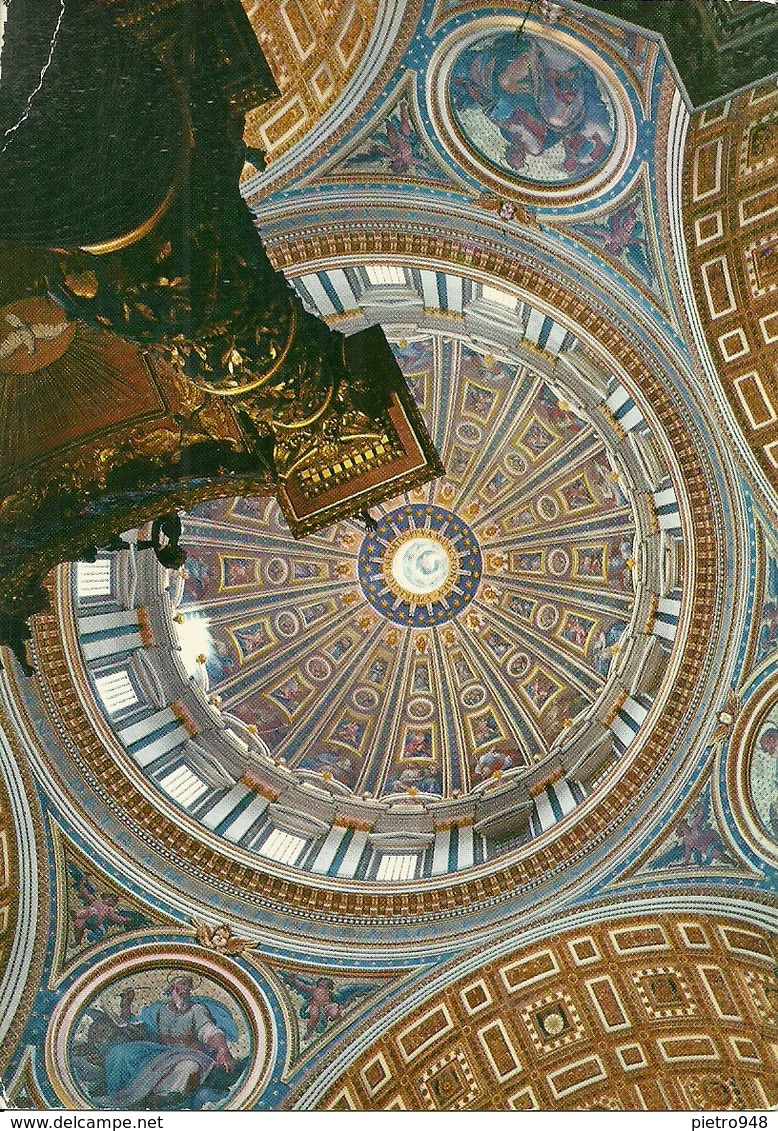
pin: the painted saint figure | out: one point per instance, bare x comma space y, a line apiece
414, 777
174, 1053
532, 108
251, 638
238, 571
492, 763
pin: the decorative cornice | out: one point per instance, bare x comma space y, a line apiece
24, 880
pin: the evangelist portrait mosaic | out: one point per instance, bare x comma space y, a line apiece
763, 775
160, 1039
530, 108
160, 1030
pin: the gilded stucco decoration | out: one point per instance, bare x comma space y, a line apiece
313, 49
729, 213
645, 1013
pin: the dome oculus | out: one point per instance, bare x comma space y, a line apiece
421, 566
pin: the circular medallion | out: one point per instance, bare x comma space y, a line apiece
763, 775
365, 698
558, 562
287, 624
515, 463
532, 109
548, 507
318, 668
276, 571
537, 112
469, 434
518, 665
421, 566
752, 766
553, 1023
474, 696
547, 616
420, 709
169, 1028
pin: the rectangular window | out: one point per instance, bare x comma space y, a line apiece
383, 273
394, 866
116, 691
282, 846
93, 579
183, 786
502, 298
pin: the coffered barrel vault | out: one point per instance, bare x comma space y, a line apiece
647, 1014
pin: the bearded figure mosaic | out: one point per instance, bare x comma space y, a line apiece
152, 1042
531, 108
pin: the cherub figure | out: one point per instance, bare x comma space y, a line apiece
220, 938
623, 236
399, 147
700, 840
323, 1002
99, 911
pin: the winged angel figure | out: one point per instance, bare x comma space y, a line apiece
323, 1003
99, 911
220, 938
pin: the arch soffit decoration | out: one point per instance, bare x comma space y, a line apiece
24, 884
330, 86
647, 1008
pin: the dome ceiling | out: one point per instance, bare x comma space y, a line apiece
464, 635
479, 678
498, 675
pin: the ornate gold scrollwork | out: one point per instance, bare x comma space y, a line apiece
241, 375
